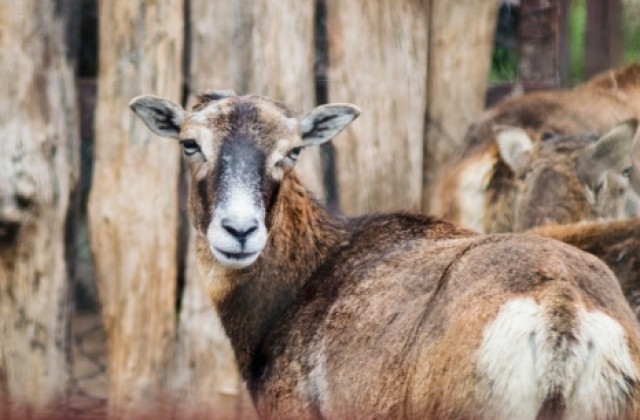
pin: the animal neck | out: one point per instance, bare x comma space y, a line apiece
251, 301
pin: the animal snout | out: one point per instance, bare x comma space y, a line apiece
237, 238
240, 229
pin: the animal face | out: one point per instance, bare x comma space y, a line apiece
238, 151
566, 179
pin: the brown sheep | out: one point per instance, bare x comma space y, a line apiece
480, 189
394, 315
617, 243
564, 179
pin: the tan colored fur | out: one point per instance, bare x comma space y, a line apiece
390, 316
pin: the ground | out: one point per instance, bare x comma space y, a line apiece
88, 398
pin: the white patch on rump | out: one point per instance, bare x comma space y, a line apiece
507, 360
472, 186
607, 368
522, 361
315, 388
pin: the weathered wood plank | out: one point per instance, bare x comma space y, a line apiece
133, 209
539, 42
378, 60
603, 44
38, 172
459, 64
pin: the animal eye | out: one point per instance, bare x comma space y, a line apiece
626, 172
189, 147
547, 135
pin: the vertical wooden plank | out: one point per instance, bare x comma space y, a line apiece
133, 202
538, 43
378, 60
219, 48
38, 172
459, 65
603, 46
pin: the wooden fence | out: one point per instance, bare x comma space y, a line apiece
418, 69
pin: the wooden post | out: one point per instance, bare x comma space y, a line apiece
133, 208
38, 172
538, 43
378, 60
459, 64
603, 47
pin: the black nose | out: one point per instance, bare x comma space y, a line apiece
240, 232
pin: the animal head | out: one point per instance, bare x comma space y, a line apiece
22, 183
238, 150
566, 179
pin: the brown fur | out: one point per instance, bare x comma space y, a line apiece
502, 191
383, 316
617, 243
591, 108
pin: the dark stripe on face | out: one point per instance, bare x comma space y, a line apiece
241, 161
244, 119
241, 164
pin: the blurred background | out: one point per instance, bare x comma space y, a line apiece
100, 303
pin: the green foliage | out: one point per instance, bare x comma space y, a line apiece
577, 36
631, 32
504, 64
504, 61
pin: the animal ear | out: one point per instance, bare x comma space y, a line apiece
610, 152
321, 125
515, 147
325, 122
162, 116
